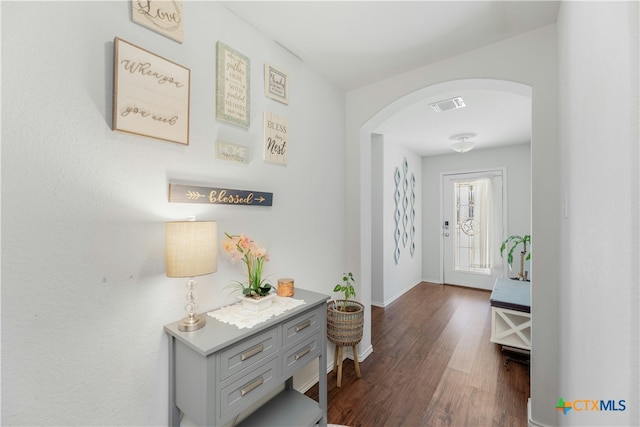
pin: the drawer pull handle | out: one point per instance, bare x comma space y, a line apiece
251, 386
303, 325
302, 353
252, 352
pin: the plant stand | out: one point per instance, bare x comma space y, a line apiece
337, 363
344, 329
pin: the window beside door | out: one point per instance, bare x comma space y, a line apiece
471, 249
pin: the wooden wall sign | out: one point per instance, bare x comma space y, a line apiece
276, 139
162, 16
218, 196
276, 84
150, 94
233, 70
232, 152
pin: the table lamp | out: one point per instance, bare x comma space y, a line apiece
192, 250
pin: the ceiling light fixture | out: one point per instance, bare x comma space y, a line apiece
463, 144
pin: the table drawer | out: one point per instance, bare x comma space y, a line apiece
245, 391
302, 353
248, 352
301, 326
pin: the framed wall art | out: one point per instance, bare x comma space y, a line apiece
276, 84
150, 94
163, 16
232, 86
276, 141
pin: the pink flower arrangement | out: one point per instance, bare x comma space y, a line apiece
241, 247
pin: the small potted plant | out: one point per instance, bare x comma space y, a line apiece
345, 317
345, 322
256, 291
515, 241
347, 287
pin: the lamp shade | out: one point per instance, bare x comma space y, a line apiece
192, 248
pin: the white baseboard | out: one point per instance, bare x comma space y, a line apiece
366, 353
395, 297
530, 421
362, 354
306, 386
348, 354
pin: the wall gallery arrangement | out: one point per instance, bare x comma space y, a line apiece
151, 97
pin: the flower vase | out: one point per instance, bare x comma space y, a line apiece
258, 303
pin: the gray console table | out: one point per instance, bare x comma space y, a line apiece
219, 371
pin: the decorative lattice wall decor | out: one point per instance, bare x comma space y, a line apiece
397, 216
405, 211
405, 203
412, 246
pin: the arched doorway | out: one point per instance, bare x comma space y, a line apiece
433, 257
530, 59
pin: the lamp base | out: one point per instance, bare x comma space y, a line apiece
189, 324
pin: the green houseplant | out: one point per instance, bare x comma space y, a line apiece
347, 288
345, 322
516, 241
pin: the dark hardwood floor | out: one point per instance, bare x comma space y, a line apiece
432, 365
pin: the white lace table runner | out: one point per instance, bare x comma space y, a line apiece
236, 314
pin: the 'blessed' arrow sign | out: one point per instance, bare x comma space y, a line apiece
219, 196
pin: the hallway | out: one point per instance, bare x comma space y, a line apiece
432, 365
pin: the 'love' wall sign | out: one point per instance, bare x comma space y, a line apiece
218, 196
162, 16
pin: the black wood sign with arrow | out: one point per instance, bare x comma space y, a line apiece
218, 196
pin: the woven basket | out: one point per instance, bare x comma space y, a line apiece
345, 327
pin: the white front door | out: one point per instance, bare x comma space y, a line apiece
472, 228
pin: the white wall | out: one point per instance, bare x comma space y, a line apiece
516, 159
528, 59
598, 97
398, 278
84, 294
377, 219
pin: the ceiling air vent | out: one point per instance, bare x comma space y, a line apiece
448, 104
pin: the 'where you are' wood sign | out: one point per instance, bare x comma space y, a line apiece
218, 196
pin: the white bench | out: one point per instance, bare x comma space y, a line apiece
511, 314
